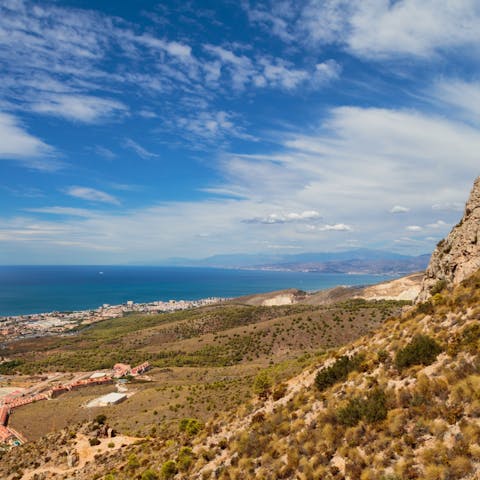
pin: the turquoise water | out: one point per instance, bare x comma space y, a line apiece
37, 289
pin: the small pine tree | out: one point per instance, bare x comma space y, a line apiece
262, 384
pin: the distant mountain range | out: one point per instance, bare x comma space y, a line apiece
364, 261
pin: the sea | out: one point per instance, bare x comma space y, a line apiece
39, 289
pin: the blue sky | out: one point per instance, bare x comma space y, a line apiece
138, 131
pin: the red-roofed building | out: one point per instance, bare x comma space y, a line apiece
139, 369
4, 413
5, 434
56, 391
121, 369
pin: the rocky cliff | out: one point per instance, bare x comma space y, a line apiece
457, 256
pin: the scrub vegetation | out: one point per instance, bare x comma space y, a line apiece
400, 401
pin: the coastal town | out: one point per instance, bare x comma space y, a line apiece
53, 323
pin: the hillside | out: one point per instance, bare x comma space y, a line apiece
406, 405
204, 362
401, 289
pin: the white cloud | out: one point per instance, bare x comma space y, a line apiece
17, 144
147, 113
449, 206
138, 149
270, 72
462, 96
241, 67
275, 19
209, 126
414, 228
394, 135
438, 224
399, 209
55, 61
275, 218
381, 28
325, 22
279, 74
326, 71
92, 195
337, 227
175, 49
69, 211
376, 28
81, 108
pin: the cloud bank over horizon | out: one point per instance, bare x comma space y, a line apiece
133, 134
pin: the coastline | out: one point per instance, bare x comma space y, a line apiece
14, 327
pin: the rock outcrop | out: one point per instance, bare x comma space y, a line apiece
457, 256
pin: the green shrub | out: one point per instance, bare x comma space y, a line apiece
169, 469
133, 462
383, 356
93, 441
185, 458
351, 414
191, 426
10, 367
372, 408
375, 407
149, 475
100, 419
438, 287
471, 335
425, 308
338, 371
422, 350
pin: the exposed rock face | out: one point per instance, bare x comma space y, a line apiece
457, 256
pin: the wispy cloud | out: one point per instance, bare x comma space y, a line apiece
81, 108
68, 211
92, 195
460, 95
439, 224
138, 149
337, 227
399, 209
177, 50
268, 72
373, 29
277, 18
358, 161
23, 191
17, 144
75, 68
50, 68
449, 206
207, 127
104, 152
273, 218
